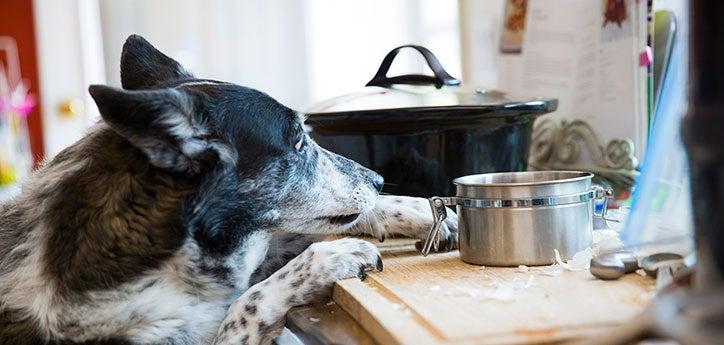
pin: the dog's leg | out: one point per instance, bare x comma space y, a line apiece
408, 217
257, 317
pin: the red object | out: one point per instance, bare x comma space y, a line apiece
17, 21
615, 12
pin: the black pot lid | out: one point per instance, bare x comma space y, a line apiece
436, 95
425, 97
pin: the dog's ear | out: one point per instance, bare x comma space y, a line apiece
143, 66
168, 125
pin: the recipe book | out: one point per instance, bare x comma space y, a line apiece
591, 55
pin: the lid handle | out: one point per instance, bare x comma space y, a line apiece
440, 78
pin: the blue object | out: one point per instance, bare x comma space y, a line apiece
661, 207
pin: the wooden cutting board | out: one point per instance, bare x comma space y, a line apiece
441, 300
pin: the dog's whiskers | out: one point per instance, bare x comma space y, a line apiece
374, 232
381, 229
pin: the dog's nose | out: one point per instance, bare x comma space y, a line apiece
377, 181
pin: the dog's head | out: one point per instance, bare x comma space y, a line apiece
256, 164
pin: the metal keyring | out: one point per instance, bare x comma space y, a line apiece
439, 212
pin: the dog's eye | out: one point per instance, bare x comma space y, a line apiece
299, 144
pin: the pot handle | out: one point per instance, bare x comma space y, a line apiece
439, 213
440, 78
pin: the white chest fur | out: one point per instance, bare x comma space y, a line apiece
175, 301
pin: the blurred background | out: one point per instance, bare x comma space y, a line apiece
299, 52
307, 51
617, 68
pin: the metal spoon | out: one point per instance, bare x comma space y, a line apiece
612, 266
663, 266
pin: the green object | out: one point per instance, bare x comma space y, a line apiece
649, 100
664, 34
7, 174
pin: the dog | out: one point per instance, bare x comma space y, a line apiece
194, 212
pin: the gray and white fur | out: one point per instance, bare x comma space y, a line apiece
193, 213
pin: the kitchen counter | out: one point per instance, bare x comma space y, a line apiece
441, 300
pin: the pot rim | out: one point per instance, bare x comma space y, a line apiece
576, 176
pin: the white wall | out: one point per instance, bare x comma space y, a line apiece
255, 43
481, 23
297, 51
69, 59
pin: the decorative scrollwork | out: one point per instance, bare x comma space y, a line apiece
560, 145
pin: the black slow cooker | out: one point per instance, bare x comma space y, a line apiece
421, 131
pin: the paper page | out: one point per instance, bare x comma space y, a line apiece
586, 54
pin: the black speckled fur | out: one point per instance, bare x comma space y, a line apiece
176, 160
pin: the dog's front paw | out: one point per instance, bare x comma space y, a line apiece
312, 274
409, 217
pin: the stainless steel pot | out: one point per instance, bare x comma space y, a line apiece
519, 218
